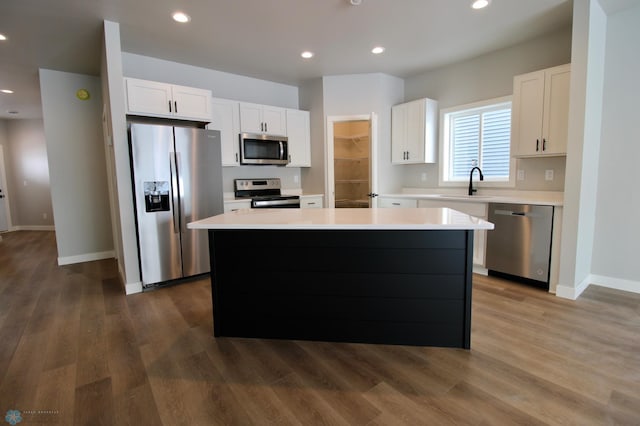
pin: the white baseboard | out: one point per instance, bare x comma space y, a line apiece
33, 228
480, 270
133, 288
616, 283
573, 293
88, 257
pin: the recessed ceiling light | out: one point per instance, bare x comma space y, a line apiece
377, 50
306, 54
3, 37
480, 4
356, 2
181, 17
6, 91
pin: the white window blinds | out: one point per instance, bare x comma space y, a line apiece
479, 137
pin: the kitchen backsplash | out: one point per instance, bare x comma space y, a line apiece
289, 176
534, 170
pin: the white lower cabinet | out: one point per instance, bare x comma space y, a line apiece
233, 205
473, 209
311, 201
390, 202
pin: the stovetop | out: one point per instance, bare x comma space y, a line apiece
260, 189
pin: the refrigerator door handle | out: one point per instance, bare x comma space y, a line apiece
175, 193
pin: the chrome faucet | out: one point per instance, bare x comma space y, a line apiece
471, 188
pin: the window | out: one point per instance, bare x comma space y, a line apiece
477, 135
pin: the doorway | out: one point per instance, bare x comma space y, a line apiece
351, 161
5, 214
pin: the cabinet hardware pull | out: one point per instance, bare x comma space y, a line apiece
175, 106
170, 106
395, 204
262, 127
537, 144
544, 144
266, 129
311, 204
236, 157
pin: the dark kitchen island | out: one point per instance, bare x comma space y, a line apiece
388, 276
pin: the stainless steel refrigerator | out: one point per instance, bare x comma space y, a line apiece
177, 178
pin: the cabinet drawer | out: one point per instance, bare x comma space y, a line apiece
311, 202
231, 206
397, 202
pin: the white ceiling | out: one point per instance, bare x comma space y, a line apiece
261, 38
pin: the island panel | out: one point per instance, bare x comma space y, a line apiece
385, 286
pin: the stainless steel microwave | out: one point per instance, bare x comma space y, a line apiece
263, 149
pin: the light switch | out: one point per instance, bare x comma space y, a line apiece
423, 177
520, 174
548, 174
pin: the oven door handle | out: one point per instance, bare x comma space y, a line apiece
274, 203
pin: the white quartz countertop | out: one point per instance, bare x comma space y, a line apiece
347, 219
553, 200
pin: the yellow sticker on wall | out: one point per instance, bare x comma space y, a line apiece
83, 94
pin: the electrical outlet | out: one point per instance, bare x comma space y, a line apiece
520, 174
296, 178
548, 174
423, 177
44, 215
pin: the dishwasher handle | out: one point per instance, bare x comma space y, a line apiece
500, 212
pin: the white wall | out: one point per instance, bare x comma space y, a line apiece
587, 59
363, 94
117, 160
311, 99
616, 243
73, 132
28, 175
486, 77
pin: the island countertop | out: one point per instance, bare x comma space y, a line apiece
344, 219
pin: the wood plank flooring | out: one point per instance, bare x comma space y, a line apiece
75, 350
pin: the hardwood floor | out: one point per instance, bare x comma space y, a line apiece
75, 350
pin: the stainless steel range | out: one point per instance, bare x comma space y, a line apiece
264, 193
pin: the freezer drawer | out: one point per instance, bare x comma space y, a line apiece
520, 244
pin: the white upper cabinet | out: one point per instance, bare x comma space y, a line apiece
155, 99
255, 118
298, 134
226, 119
413, 132
540, 112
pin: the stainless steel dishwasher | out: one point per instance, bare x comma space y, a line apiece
520, 244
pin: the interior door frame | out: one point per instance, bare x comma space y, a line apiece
329, 190
5, 189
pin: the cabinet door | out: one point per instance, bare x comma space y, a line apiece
398, 133
251, 118
415, 141
556, 110
527, 113
226, 119
190, 102
275, 120
298, 133
148, 97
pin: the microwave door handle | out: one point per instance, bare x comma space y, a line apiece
281, 150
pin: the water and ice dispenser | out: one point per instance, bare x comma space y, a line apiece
156, 196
